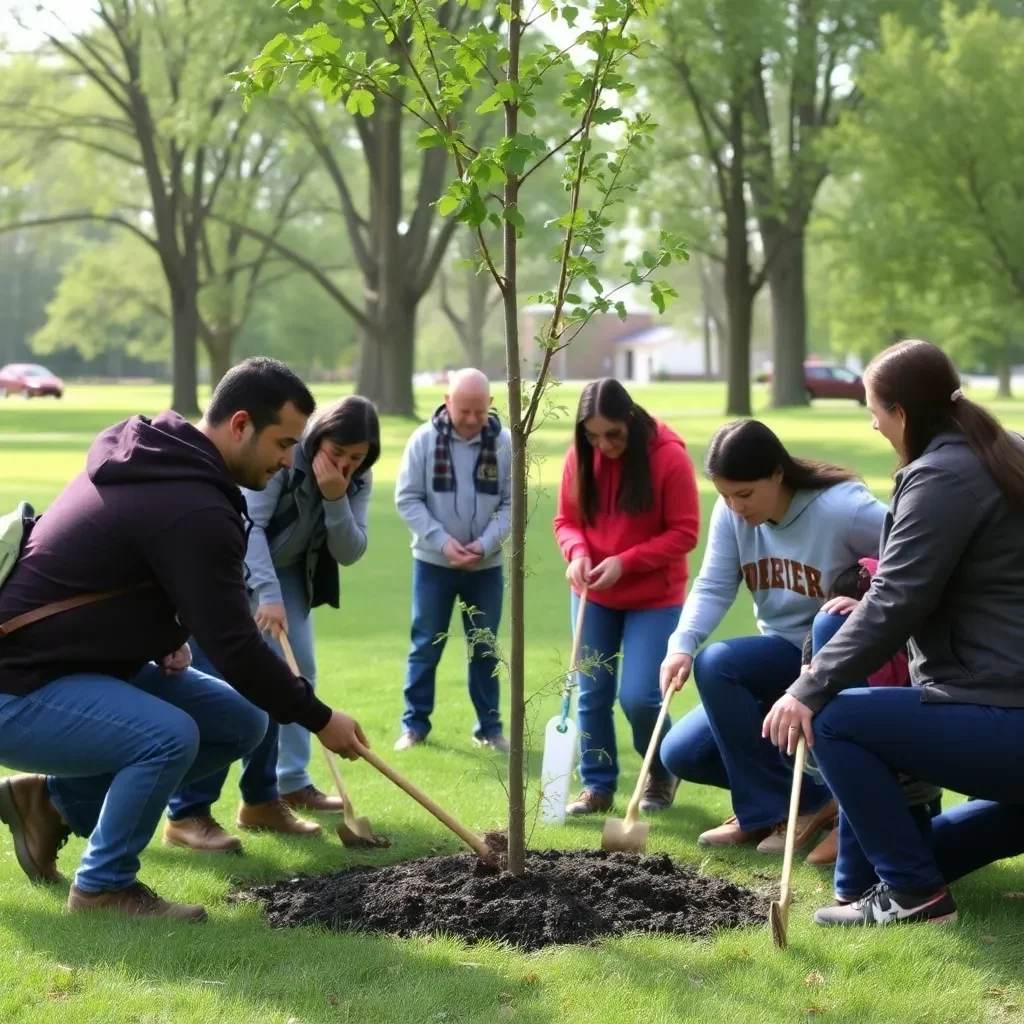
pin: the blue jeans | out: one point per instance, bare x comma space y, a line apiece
641, 636
115, 751
280, 763
865, 736
435, 588
720, 742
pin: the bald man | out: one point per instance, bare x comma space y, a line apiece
454, 492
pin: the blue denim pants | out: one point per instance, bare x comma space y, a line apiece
114, 751
625, 649
435, 589
719, 743
280, 764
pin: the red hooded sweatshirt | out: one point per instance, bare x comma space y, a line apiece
652, 546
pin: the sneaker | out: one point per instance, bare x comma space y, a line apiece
590, 802
37, 829
807, 827
659, 794
408, 740
137, 900
882, 905
201, 832
827, 851
496, 742
274, 816
309, 798
729, 833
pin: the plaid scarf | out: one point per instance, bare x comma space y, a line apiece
485, 475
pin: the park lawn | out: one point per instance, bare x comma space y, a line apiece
97, 968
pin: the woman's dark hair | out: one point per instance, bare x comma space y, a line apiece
351, 420
922, 380
608, 399
747, 450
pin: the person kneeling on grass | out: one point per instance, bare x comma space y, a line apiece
853, 873
308, 521
951, 581
96, 689
628, 516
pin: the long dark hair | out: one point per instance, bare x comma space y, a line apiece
747, 450
350, 420
922, 380
608, 399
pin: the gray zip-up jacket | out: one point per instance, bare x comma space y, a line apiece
950, 580
340, 525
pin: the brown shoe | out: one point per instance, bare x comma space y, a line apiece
729, 833
827, 851
36, 826
200, 833
408, 740
659, 794
590, 802
274, 816
807, 827
309, 798
137, 900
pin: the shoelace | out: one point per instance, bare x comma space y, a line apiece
142, 893
877, 894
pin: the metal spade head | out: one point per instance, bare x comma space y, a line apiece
625, 836
358, 833
778, 923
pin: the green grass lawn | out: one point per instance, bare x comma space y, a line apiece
57, 968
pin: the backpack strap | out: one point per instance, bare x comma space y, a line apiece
56, 607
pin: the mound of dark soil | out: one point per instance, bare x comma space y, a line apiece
564, 897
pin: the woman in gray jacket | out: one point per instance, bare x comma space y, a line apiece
310, 519
951, 581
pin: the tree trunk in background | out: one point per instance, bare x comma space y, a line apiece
387, 358
219, 342
184, 332
1004, 388
785, 276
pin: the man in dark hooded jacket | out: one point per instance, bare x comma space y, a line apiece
100, 695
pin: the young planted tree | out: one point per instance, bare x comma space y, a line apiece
598, 141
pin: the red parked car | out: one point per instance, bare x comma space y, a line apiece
29, 380
825, 381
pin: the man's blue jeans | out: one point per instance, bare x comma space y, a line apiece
641, 637
280, 764
719, 743
114, 752
435, 589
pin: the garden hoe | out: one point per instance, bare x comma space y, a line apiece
778, 912
560, 740
627, 834
352, 831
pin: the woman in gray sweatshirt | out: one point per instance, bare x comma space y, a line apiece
951, 581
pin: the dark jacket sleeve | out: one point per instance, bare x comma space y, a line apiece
934, 518
199, 562
807, 650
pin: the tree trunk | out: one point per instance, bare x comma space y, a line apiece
740, 311
387, 358
184, 331
1004, 387
789, 316
219, 342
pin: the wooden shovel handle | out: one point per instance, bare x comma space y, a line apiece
473, 841
577, 636
794, 811
634, 802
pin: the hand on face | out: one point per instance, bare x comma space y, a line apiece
332, 480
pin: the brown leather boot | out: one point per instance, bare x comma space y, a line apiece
729, 833
827, 851
274, 816
137, 900
590, 802
309, 798
659, 794
807, 827
36, 826
200, 833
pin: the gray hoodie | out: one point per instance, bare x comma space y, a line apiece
950, 579
463, 513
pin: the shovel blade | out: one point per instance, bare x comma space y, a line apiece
359, 834
778, 923
556, 769
618, 835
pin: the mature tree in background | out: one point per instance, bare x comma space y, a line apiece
929, 227
481, 297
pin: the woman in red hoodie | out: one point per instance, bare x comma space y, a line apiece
628, 515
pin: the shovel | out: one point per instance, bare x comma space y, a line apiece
352, 831
560, 740
627, 834
778, 912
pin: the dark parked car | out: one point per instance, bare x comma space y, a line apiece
29, 380
824, 381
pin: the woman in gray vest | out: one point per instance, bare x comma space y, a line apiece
310, 519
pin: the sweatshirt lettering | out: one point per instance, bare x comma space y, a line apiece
783, 574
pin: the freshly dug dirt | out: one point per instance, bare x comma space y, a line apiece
564, 897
